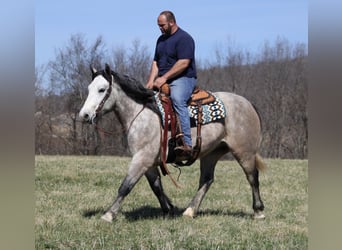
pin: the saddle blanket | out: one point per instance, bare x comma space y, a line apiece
210, 112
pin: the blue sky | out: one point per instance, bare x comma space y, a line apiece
246, 23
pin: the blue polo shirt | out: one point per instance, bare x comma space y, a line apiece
169, 49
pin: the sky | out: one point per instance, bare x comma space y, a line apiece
246, 24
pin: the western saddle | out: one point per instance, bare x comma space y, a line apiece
171, 123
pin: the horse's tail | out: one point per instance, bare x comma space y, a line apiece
259, 163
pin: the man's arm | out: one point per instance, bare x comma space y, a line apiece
176, 69
153, 75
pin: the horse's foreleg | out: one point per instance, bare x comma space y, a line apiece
153, 177
135, 171
126, 186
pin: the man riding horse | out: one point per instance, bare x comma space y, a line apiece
174, 64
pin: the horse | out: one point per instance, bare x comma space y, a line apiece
134, 105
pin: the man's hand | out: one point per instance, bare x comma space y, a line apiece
149, 85
159, 81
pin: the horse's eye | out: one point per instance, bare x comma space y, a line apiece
102, 90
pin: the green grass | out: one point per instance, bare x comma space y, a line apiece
72, 193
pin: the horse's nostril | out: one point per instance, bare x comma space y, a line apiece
86, 117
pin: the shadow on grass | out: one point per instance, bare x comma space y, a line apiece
88, 213
237, 214
148, 212
145, 212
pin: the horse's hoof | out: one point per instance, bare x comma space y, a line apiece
259, 216
107, 217
189, 212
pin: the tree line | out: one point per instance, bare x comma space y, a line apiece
274, 79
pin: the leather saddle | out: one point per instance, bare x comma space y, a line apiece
199, 96
171, 123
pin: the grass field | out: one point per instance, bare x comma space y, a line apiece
72, 193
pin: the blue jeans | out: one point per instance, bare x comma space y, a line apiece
181, 90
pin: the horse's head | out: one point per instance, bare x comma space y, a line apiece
99, 90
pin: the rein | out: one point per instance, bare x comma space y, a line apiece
123, 130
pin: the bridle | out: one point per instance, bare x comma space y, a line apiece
105, 98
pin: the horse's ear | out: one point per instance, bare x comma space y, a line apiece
92, 69
107, 69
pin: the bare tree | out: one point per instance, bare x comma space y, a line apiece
69, 78
284, 81
134, 61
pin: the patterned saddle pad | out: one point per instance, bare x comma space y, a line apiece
211, 112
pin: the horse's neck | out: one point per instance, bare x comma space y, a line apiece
126, 109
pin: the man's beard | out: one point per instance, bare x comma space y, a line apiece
167, 31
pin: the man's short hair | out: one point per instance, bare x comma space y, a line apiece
169, 15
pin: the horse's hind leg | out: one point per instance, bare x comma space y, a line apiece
250, 166
207, 166
153, 177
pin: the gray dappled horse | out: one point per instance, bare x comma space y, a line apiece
239, 133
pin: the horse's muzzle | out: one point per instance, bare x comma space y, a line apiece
86, 118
